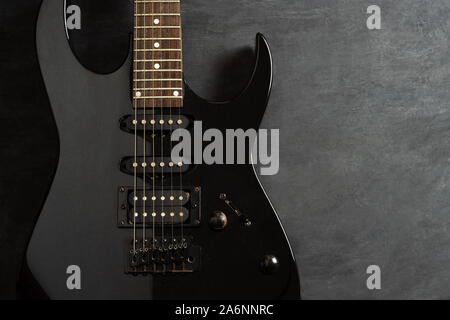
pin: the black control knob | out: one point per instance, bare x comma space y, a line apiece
218, 220
270, 264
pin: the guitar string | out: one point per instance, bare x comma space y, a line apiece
179, 122
153, 148
172, 196
135, 105
144, 124
162, 136
170, 160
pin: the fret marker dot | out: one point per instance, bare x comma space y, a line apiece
136, 214
162, 164
163, 214
180, 122
157, 66
154, 214
176, 93
156, 44
172, 198
144, 164
153, 198
170, 121
163, 198
145, 214
135, 198
135, 164
170, 164
172, 214
144, 198
152, 122
153, 164
135, 122
181, 214
180, 164
161, 121
138, 94
180, 198
144, 121
156, 21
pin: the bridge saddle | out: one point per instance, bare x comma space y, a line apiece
168, 256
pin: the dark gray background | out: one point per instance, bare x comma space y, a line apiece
365, 133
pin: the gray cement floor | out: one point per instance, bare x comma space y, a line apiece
365, 132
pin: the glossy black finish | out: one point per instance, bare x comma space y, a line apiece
78, 222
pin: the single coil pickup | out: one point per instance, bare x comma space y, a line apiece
154, 166
185, 212
158, 215
157, 197
153, 122
160, 256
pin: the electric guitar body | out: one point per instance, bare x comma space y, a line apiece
214, 236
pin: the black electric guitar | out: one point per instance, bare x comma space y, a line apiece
138, 224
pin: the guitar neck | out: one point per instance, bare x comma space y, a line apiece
157, 54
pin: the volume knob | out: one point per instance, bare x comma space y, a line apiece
270, 264
218, 220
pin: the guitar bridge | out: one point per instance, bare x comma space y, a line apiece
167, 256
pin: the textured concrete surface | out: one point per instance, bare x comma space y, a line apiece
365, 132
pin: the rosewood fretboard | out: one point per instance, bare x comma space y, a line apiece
158, 66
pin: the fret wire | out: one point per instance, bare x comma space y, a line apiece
157, 27
157, 60
159, 70
143, 1
143, 39
158, 97
161, 89
156, 14
142, 50
140, 80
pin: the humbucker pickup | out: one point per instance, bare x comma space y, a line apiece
170, 206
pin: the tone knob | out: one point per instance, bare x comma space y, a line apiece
218, 220
270, 264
